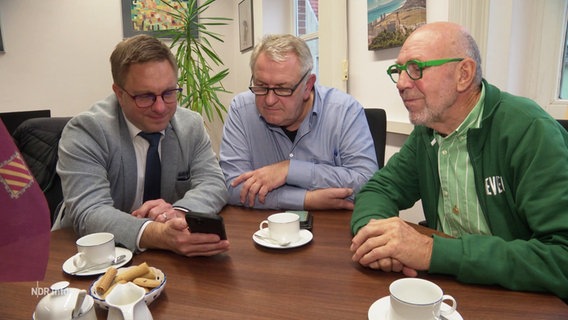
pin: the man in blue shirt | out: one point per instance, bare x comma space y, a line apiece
289, 143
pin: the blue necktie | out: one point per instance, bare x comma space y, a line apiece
153, 173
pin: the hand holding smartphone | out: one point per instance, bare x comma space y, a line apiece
206, 223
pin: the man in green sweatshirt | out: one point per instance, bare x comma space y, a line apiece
490, 168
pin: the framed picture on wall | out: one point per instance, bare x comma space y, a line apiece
391, 22
1, 42
148, 16
246, 25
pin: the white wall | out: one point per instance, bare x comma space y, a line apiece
56, 53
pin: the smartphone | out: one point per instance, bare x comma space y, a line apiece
306, 219
206, 223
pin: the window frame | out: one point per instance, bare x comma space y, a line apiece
550, 58
333, 66
522, 60
307, 37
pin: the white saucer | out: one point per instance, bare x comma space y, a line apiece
305, 237
379, 310
69, 268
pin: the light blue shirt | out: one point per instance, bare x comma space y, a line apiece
333, 148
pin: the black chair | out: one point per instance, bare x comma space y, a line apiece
38, 141
13, 119
564, 123
377, 119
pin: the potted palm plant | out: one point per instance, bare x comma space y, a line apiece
196, 56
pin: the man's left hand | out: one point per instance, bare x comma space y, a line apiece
261, 181
392, 245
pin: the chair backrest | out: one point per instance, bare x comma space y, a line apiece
13, 119
564, 123
377, 119
38, 141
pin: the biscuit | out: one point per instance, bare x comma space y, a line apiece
133, 273
106, 281
150, 274
147, 283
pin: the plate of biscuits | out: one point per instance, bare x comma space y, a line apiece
153, 280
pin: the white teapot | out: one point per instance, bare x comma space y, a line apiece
64, 303
126, 302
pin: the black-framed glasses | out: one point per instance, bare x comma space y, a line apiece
279, 91
146, 100
414, 68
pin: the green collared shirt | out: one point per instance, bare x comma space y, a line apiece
459, 211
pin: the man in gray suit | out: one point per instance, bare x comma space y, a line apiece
102, 159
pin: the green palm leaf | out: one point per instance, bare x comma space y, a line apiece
195, 56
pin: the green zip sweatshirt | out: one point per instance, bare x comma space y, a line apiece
520, 162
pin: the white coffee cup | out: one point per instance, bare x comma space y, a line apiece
95, 248
282, 227
414, 298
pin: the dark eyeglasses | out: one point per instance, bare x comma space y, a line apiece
414, 68
146, 100
279, 91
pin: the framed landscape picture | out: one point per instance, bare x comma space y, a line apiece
390, 22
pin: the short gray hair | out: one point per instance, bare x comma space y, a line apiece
472, 51
277, 46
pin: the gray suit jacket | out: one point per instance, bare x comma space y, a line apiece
97, 166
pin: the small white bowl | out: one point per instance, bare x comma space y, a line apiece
150, 296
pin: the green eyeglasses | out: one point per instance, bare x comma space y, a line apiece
414, 68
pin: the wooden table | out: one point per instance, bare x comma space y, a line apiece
316, 281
